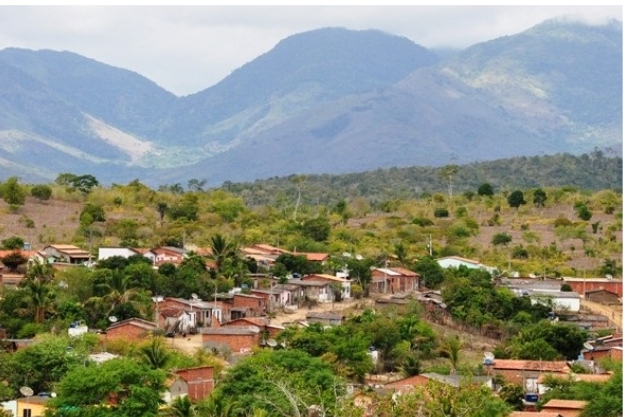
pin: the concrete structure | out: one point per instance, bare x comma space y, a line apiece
316, 290
327, 318
567, 301
106, 253
200, 312
248, 305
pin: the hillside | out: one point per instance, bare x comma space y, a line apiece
325, 101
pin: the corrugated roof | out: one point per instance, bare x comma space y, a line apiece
231, 330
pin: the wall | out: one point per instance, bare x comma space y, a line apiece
256, 305
127, 331
237, 343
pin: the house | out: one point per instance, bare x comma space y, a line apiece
567, 301
68, 254
534, 414
166, 254
586, 321
394, 280
196, 383
316, 290
408, 384
33, 406
238, 339
596, 378
106, 253
613, 352
133, 329
583, 285
327, 318
602, 296
246, 305
524, 372
290, 293
198, 312
343, 282
274, 299
457, 261
313, 256
566, 408
524, 286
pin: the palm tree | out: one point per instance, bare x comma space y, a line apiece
118, 291
155, 354
222, 250
41, 297
41, 271
180, 407
451, 347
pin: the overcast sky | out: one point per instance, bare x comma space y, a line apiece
188, 49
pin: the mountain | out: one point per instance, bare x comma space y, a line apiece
554, 88
326, 101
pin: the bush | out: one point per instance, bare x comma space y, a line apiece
562, 221
422, 221
501, 239
41, 192
440, 212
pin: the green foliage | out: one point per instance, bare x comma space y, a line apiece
430, 271
513, 395
136, 387
185, 210
583, 212
539, 197
501, 239
516, 199
92, 213
13, 260
485, 189
82, 183
440, 212
12, 192
422, 221
317, 229
562, 221
545, 340
41, 192
281, 382
13, 242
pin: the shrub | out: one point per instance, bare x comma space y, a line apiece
562, 221
440, 212
422, 221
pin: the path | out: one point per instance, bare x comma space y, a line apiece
614, 314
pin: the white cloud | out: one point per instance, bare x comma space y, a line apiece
187, 49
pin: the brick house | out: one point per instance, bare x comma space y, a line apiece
196, 383
534, 414
599, 352
239, 339
327, 318
134, 329
262, 323
394, 280
247, 305
566, 408
525, 372
200, 312
584, 285
166, 254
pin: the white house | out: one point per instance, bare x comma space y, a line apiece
561, 301
105, 253
457, 261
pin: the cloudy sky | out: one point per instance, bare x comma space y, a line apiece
187, 49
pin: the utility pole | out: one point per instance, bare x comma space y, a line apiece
430, 246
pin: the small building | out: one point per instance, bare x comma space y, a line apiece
566, 408
583, 285
166, 254
196, 383
33, 406
343, 282
567, 301
595, 378
316, 290
106, 253
264, 325
200, 312
246, 305
525, 372
238, 339
457, 261
613, 352
68, 254
534, 414
603, 296
327, 318
394, 280
133, 329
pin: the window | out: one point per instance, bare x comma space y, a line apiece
26, 412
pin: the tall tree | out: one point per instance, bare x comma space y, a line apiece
12, 192
448, 172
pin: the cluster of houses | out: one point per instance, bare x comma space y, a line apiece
238, 322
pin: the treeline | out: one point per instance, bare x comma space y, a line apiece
594, 171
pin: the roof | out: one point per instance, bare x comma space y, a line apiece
137, 322
285, 287
456, 380
324, 277
327, 315
239, 294
231, 330
405, 272
570, 404
407, 382
601, 290
459, 258
200, 304
70, 250
527, 365
534, 414
561, 294
255, 321
313, 256
599, 378
568, 279
310, 283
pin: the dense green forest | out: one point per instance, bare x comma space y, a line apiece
594, 171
